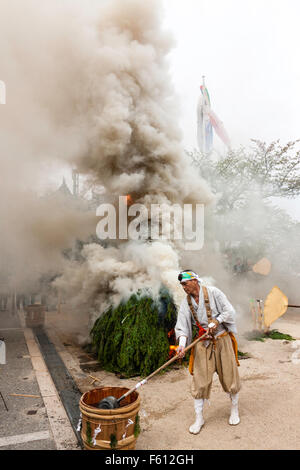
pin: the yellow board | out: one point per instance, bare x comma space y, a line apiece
263, 267
275, 305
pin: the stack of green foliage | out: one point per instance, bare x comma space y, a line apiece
132, 339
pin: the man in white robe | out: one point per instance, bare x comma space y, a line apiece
216, 354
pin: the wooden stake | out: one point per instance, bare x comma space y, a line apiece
253, 311
260, 314
20, 395
95, 379
4, 401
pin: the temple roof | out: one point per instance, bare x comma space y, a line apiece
63, 189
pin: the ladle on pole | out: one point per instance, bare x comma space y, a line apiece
113, 402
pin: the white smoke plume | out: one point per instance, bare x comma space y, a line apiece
88, 84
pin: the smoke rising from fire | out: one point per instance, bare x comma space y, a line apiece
88, 85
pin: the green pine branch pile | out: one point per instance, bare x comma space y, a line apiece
132, 339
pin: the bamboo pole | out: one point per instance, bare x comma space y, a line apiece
173, 359
21, 395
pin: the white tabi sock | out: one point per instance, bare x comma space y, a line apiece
196, 427
234, 415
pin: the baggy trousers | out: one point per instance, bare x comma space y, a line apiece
222, 361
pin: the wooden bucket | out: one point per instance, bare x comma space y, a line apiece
115, 429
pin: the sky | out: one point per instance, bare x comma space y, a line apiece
248, 51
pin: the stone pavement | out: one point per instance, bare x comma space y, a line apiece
29, 423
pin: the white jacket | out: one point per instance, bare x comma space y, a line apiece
221, 309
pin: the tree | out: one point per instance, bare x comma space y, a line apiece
268, 170
245, 221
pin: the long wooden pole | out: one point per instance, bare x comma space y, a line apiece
260, 314
21, 395
173, 359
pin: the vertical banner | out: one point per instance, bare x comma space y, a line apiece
207, 121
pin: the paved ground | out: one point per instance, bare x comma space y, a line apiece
25, 419
29, 423
270, 389
269, 399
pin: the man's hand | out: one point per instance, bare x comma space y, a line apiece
180, 352
213, 325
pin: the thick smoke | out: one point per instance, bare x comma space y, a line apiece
89, 86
